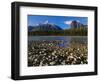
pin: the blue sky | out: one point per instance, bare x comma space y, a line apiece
62, 21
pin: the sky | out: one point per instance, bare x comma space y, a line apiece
62, 21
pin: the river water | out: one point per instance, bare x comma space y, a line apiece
66, 39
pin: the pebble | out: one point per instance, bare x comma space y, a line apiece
49, 53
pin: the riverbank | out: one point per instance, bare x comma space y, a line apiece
50, 53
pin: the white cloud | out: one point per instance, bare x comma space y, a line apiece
70, 21
46, 22
77, 20
67, 22
37, 24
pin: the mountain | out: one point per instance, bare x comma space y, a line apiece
44, 27
75, 24
30, 28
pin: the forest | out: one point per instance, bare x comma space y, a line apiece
67, 32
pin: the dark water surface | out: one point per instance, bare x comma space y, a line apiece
66, 39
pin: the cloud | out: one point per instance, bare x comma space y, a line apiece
70, 21
67, 22
46, 22
37, 24
77, 20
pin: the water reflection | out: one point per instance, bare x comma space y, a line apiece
65, 40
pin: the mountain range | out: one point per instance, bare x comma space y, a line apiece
44, 27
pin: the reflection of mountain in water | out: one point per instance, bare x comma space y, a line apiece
44, 27
66, 40
82, 40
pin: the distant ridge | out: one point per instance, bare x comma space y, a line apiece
44, 27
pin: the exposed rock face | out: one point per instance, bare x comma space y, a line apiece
75, 24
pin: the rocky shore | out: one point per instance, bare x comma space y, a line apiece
50, 53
